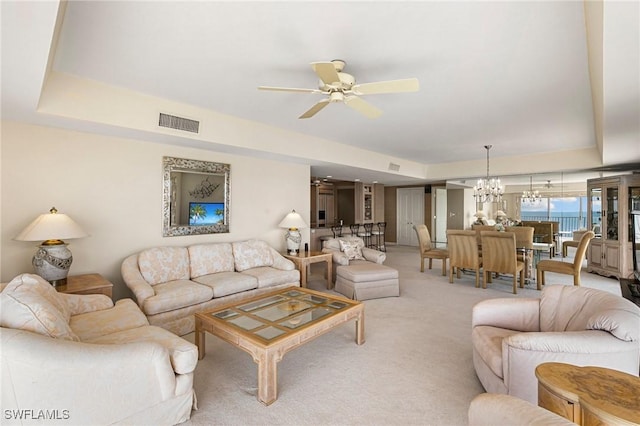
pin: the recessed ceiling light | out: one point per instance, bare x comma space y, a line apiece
329, 177
357, 180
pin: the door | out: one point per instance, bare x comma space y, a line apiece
410, 212
440, 218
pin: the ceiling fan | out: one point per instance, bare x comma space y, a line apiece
340, 87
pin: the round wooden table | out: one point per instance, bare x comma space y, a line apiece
589, 395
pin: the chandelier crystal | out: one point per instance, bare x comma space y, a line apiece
531, 196
488, 189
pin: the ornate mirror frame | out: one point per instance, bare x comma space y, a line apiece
189, 184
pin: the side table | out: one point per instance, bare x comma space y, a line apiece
589, 395
86, 284
303, 259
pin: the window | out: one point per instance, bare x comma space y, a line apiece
570, 212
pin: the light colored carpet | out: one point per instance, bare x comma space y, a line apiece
414, 369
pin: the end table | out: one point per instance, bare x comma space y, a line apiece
86, 284
303, 259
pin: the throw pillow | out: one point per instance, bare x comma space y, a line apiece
27, 304
251, 254
351, 249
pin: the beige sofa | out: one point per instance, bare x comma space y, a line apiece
574, 325
170, 284
80, 360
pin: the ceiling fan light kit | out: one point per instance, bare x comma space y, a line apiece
339, 86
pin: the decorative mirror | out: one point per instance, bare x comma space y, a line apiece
195, 197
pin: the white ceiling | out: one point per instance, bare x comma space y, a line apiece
513, 74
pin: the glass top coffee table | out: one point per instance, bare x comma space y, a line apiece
270, 325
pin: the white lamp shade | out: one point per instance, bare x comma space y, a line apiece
51, 226
293, 220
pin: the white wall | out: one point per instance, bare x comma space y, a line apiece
113, 188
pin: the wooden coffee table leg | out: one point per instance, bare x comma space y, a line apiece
268, 376
200, 339
360, 328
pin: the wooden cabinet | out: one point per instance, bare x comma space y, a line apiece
369, 202
323, 206
609, 204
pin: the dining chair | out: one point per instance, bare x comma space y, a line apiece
427, 251
560, 267
499, 255
524, 243
463, 253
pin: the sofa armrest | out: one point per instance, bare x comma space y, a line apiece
514, 314
135, 281
373, 255
83, 303
281, 262
572, 342
496, 409
37, 372
339, 258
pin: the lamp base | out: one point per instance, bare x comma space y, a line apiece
293, 238
52, 262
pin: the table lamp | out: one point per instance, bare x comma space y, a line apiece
293, 221
53, 259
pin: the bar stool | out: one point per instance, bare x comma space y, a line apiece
366, 234
355, 229
380, 236
337, 231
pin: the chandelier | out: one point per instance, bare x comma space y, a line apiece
488, 189
531, 196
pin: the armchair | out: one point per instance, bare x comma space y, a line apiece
359, 273
575, 325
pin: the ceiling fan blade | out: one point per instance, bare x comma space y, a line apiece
326, 71
315, 109
362, 107
391, 86
289, 89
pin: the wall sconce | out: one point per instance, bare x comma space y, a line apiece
293, 221
53, 259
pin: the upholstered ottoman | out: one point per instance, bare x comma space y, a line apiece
368, 280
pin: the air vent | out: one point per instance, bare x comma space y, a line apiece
179, 123
394, 167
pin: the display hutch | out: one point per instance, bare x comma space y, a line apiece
610, 201
369, 202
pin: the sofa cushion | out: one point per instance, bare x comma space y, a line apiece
161, 264
268, 277
125, 314
226, 283
175, 295
183, 354
487, 341
251, 254
30, 303
207, 259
